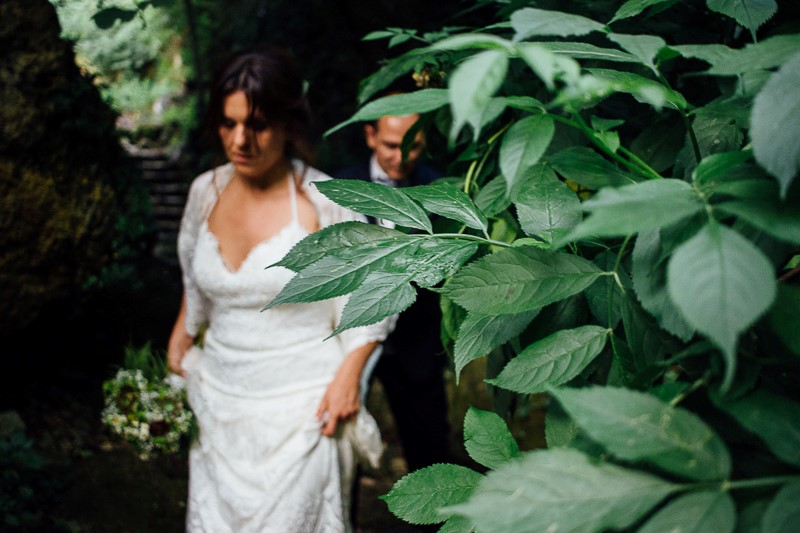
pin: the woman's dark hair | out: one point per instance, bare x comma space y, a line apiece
273, 84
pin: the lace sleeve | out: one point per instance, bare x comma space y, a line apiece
187, 240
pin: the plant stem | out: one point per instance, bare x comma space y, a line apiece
693, 387
644, 171
470, 237
760, 482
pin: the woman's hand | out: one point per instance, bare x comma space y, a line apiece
179, 342
341, 400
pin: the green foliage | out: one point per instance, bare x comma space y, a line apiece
26, 485
629, 230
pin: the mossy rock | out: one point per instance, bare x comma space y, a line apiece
68, 191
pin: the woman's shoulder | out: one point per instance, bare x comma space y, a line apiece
329, 211
213, 177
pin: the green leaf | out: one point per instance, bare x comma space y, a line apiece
376, 200
479, 334
783, 513
548, 65
419, 496
776, 123
515, 280
636, 208
561, 490
457, 524
448, 201
696, 512
589, 51
494, 108
434, 260
332, 240
636, 426
775, 419
659, 143
643, 47
604, 296
650, 284
522, 147
387, 74
631, 8
780, 221
717, 165
642, 89
769, 53
421, 101
528, 22
337, 275
545, 206
748, 13
783, 316
493, 197
643, 336
586, 167
381, 295
467, 41
552, 361
721, 283
559, 428
487, 439
473, 84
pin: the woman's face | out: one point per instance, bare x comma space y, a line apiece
254, 147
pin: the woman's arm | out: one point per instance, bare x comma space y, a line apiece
179, 341
342, 400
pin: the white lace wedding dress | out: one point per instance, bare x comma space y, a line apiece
261, 463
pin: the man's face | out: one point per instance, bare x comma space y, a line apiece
385, 141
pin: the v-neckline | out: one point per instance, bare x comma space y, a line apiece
224, 260
294, 221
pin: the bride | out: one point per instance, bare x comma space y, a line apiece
271, 397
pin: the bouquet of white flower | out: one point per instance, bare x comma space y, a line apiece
146, 406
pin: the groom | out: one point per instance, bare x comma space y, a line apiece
413, 360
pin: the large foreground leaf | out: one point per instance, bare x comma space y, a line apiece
334, 240
515, 280
480, 333
418, 497
376, 200
382, 294
721, 283
546, 206
446, 200
337, 275
561, 490
696, 512
636, 208
776, 123
552, 361
639, 427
